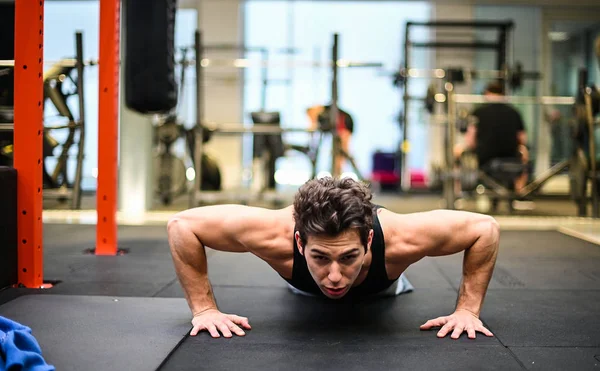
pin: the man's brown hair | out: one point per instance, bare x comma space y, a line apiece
330, 206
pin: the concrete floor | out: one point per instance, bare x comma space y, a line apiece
402, 203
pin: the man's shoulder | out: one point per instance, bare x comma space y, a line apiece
271, 237
391, 225
404, 234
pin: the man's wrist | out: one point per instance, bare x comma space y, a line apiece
198, 312
472, 312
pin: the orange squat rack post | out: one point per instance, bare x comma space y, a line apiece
108, 118
28, 130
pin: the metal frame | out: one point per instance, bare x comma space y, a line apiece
28, 110
108, 126
333, 112
237, 129
592, 149
498, 189
500, 47
76, 127
63, 192
264, 61
28, 161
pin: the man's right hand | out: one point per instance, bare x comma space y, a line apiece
214, 321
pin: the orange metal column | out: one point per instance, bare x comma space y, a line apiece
108, 126
28, 130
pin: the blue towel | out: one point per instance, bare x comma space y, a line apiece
19, 351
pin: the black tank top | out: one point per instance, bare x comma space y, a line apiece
375, 282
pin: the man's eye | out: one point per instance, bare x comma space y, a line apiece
349, 258
319, 257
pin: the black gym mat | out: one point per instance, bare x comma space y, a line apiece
559, 359
227, 355
143, 271
541, 305
102, 333
310, 333
537, 260
545, 317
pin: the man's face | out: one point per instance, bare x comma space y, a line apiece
334, 262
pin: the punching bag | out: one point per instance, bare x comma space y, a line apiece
150, 55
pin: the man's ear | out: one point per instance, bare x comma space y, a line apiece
369, 240
299, 243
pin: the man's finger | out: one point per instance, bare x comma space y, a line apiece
234, 328
485, 331
196, 330
471, 332
243, 321
436, 322
212, 329
224, 329
458, 329
445, 330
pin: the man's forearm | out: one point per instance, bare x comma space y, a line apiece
189, 258
478, 266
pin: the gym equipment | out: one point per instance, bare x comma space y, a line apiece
543, 100
512, 76
62, 81
586, 136
267, 148
260, 129
404, 72
8, 232
592, 101
501, 174
169, 170
149, 48
211, 173
469, 171
324, 120
578, 180
429, 99
463, 120
498, 178
386, 169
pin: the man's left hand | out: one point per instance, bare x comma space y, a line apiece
461, 320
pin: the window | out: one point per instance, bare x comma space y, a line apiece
369, 32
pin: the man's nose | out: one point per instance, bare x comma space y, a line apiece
335, 274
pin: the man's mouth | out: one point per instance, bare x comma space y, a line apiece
335, 292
